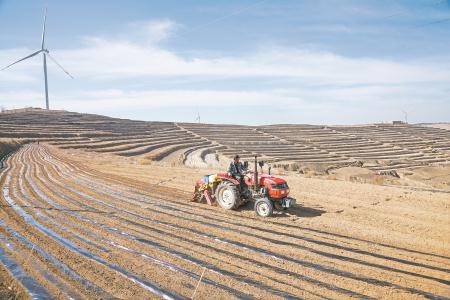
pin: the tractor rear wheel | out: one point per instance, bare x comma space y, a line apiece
263, 207
227, 195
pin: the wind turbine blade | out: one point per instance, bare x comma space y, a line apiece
43, 29
54, 60
26, 57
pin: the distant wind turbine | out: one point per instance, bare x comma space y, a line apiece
406, 115
45, 53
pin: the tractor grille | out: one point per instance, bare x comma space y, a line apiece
280, 186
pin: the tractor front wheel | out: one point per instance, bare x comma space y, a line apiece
263, 207
279, 206
227, 195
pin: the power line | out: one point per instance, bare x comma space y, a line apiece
228, 15
403, 11
434, 22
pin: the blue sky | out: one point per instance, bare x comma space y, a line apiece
248, 62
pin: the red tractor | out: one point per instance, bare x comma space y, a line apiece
268, 193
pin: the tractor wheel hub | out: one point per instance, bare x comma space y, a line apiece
263, 209
227, 197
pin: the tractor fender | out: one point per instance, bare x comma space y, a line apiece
225, 177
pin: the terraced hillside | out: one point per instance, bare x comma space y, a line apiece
70, 230
377, 147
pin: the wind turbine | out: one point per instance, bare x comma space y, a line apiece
406, 115
45, 53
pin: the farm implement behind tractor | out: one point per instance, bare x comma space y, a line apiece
266, 191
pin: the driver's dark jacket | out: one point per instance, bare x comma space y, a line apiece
235, 169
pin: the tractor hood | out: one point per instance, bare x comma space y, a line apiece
270, 179
276, 187
265, 179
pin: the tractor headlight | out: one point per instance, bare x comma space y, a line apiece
263, 191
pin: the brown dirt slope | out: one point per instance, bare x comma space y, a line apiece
378, 147
9, 145
9, 290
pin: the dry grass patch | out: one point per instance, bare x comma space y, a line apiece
9, 289
9, 145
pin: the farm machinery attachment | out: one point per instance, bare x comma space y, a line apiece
264, 190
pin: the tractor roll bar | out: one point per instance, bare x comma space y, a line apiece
255, 179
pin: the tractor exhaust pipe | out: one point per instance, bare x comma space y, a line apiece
255, 179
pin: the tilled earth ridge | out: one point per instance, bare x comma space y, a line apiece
376, 148
79, 232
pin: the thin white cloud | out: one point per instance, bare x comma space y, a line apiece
290, 105
113, 59
119, 99
335, 28
289, 97
23, 98
120, 58
21, 72
153, 31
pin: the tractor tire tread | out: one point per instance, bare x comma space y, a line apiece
233, 188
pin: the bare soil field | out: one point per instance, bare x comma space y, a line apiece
98, 207
85, 224
439, 125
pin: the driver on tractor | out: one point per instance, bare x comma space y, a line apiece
237, 170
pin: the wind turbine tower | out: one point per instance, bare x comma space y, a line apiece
406, 115
45, 53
